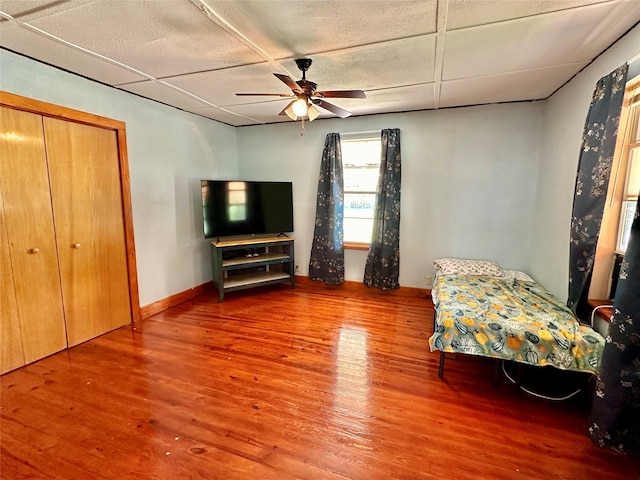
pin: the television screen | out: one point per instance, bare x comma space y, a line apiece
237, 207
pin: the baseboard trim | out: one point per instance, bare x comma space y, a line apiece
301, 282
361, 288
175, 299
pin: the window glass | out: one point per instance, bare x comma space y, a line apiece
626, 219
633, 180
361, 165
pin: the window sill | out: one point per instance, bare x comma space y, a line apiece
356, 246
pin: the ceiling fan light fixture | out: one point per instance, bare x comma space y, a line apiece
305, 98
313, 113
300, 106
290, 113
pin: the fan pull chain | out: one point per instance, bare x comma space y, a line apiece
302, 130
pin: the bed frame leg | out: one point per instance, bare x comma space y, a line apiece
496, 372
441, 367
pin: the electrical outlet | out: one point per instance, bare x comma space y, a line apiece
428, 279
297, 268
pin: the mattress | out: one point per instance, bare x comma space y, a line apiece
512, 319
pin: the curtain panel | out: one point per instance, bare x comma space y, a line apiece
615, 413
382, 269
592, 181
327, 251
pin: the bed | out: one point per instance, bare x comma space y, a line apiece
481, 309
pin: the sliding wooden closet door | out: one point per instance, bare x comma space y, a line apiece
87, 207
30, 249
11, 355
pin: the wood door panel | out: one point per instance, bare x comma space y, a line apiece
87, 205
11, 355
28, 221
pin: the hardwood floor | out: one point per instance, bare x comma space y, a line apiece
311, 383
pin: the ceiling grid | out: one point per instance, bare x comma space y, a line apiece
405, 55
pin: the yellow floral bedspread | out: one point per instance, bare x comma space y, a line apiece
513, 320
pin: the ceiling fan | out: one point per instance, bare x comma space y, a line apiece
305, 97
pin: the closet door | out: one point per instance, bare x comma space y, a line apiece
29, 260
87, 206
11, 355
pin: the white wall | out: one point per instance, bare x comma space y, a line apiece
564, 116
468, 181
169, 152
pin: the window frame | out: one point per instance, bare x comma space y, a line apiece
630, 153
370, 136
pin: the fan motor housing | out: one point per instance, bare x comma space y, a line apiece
307, 86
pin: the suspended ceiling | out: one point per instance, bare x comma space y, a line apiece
405, 54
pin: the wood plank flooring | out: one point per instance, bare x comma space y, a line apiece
274, 383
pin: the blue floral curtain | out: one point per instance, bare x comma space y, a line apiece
383, 261
327, 251
615, 413
592, 180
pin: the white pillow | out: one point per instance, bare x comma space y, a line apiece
518, 275
461, 266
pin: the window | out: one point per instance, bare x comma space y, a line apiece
622, 196
630, 162
361, 167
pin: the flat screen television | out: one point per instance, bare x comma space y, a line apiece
236, 207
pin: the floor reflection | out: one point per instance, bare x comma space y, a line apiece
351, 391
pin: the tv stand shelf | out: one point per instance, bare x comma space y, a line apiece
272, 262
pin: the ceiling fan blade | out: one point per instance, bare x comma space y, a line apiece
265, 94
340, 94
288, 81
283, 112
332, 108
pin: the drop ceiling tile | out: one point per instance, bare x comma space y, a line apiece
388, 64
34, 45
470, 13
531, 85
401, 62
535, 42
245, 114
220, 86
31, 9
400, 99
158, 38
161, 92
300, 28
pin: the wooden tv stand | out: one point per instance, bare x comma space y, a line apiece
232, 270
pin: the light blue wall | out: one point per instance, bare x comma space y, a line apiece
564, 116
491, 182
169, 152
468, 182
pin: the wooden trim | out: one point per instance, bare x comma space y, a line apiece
361, 288
175, 299
356, 246
605, 308
127, 211
39, 107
